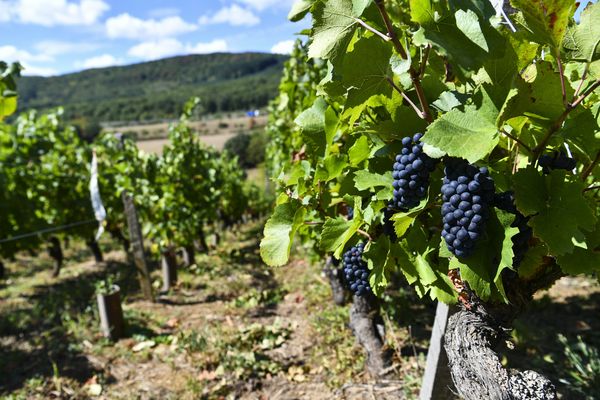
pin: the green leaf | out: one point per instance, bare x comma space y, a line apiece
545, 100
469, 134
300, 9
365, 80
380, 261
559, 210
337, 232
460, 31
587, 33
364, 180
547, 20
8, 105
507, 253
404, 220
334, 23
312, 122
422, 11
360, 151
468, 23
400, 65
580, 261
449, 100
279, 232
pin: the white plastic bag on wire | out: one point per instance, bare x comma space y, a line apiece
99, 210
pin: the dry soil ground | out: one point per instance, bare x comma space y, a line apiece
234, 329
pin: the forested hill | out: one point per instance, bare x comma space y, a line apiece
158, 89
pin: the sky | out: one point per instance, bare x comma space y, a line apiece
51, 37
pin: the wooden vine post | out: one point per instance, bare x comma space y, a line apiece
437, 379
137, 245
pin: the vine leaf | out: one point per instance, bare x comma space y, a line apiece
468, 23
365, 74
507, 253
299, 9
279, 233
367, 180
380, 261
465, 36
312, 122
359, 151
587, 33
559, 210
337, 232
547, 20
580, 261
471, 134
334, 23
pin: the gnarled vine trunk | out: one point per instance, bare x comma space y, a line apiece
475, 337
169, 269
95, 249
55, 251
369, 329
335, 277
189, 255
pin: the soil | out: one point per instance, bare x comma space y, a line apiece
233, 329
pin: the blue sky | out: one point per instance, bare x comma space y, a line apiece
56, 36
52, 37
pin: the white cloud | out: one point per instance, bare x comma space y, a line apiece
53, 12
283, 47
11, 54
233, 15
31, 70
161, 48
216, 46
261, 5
128, 27
102, 61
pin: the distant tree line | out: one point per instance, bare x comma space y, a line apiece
156, 90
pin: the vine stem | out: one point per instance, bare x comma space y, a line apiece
519, 141
559, 122
414, 75
585, 71
424, 61
365, 234
595, 187
562, 79
371, 29
586, 172
408, 100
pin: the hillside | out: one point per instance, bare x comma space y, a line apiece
158, 89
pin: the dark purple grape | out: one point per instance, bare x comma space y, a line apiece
465, 212
356, 271
411, 173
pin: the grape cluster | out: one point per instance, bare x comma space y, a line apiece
467, 192
411, 173
506, 202
556, 160
356, 271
